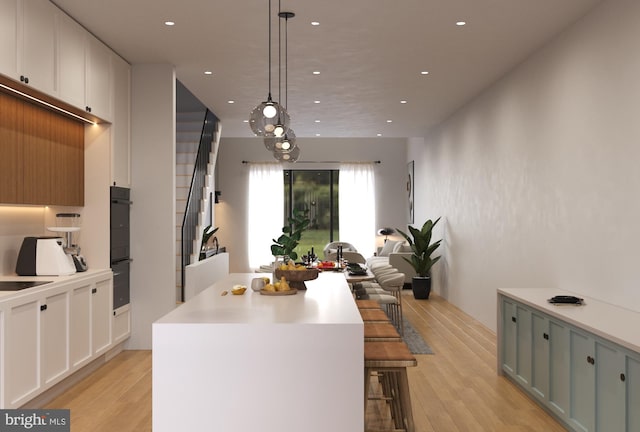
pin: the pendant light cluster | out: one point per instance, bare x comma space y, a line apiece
270, 119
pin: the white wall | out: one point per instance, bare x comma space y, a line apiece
537, 179
153, 226
233, 177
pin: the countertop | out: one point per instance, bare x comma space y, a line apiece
252, 362
614, 323
5, 295
327, 300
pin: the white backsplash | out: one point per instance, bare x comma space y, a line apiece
15, 224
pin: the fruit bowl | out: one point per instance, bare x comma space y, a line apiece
296, 278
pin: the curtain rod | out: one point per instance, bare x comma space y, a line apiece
321, 162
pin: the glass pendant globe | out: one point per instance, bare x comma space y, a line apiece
291, 156
269, 111
265, 126
286, 143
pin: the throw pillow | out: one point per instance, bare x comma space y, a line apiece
388, 247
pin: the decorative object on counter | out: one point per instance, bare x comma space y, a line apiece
291, 234
386, 232
44, 256
421, 260
295, 275
68, 223
566, 300
209, 245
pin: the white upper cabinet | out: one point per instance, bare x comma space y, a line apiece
99, 79
71, 61
9, 38
121, 129
38, 52
42, 47
28, 43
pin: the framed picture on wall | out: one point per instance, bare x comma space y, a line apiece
410, 185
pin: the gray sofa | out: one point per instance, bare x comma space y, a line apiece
392, 253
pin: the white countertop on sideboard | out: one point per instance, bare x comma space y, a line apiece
614, 323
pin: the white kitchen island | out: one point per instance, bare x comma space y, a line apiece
254, 363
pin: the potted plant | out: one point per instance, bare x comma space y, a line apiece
291, 234
421, 260
208, 248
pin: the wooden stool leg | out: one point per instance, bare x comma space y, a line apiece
405, 399
367, 384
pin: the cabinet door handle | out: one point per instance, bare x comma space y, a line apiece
545, 335
622, 377
88, 108
591, 360
513, 319
43, 307
94, 290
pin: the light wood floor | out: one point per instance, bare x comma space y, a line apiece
457, 389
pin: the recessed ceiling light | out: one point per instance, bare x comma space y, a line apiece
389, 121
231, 101
317, 121
245, 121
317, 134
315, 23
169, 23
316, 102
461, 23
316, 72
208, 73
379, 135
424, 73
403, 101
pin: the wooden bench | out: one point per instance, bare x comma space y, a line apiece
380, 332
389, 361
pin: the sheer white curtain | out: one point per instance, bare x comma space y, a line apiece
266, 211
358, 206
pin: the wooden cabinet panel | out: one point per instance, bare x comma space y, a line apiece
11, 171
42, 156
36, 155
67, 160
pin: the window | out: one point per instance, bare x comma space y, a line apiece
316, 191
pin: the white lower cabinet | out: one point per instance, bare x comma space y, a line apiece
36, 350
47, 335
589, 383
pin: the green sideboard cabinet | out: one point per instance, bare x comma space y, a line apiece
581, 363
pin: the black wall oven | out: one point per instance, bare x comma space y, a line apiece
120, 245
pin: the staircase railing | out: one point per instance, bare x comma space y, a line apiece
196, 192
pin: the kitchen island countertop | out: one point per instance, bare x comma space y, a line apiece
255, 362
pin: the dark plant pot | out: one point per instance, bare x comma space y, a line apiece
421, 287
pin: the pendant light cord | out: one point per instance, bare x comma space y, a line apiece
269, 39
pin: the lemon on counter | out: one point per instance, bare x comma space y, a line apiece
238, 289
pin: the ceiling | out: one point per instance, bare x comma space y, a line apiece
370, 54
